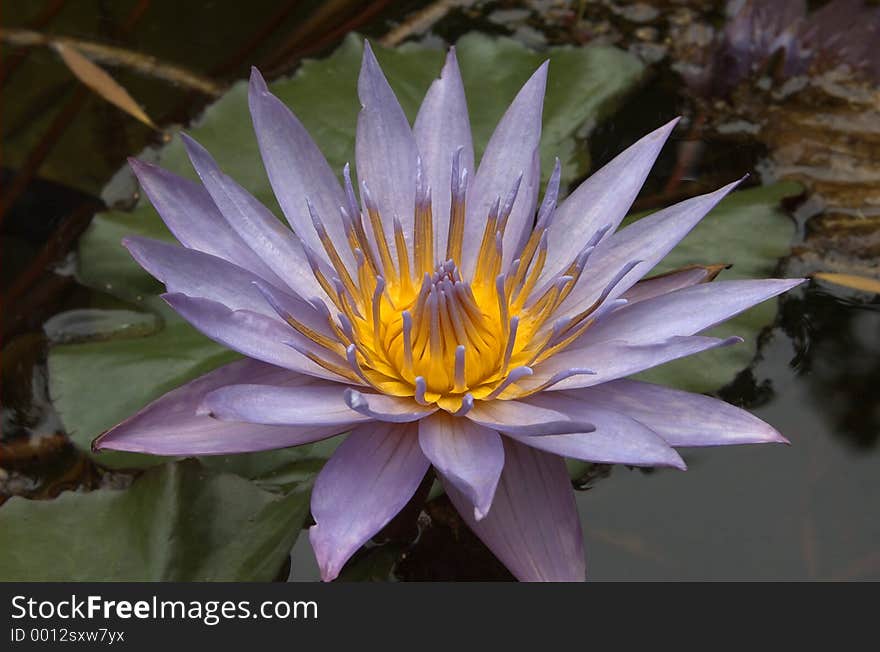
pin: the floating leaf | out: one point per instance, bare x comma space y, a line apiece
88, 324
178, 522
96, 385
101, 82
852, 281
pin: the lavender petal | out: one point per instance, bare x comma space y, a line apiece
386, 459
521, 418
681, 418
297, 169
395, 409
604, 198
647, 240
170, 425
683, 312
192, 216
274, 243
533, 527
385, 150
197, 274
512, 150
467, 455
318, 404
649, 288
616, 359
249, 333
619, 438
442, 126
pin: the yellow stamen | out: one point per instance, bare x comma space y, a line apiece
412, 326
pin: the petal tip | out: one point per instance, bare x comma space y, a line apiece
189, 142
136, 164
257, 82
328, 565
776, 437
98, 442
354, 399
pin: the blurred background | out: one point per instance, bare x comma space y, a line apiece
786, 91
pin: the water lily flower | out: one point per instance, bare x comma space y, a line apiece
843, 32
441, 315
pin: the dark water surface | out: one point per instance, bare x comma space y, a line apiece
809, 510
805, 511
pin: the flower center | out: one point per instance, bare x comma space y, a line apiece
447, 334
409, 326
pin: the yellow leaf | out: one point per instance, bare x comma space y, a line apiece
99, 81
863, 283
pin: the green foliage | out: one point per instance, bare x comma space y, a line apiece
177, 522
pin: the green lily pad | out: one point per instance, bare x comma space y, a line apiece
90, 324
749, 231
177, 522
96, 385
282, 470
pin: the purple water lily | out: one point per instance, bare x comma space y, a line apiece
445, 318
843, 32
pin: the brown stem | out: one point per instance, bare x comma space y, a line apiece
15, 59
115, 56
422, 20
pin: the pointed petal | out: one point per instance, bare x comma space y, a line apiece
171, 425
511, 151
648, 288
318, 404
274, 243
523, 418
442, 126
604, 198
617, 359
370, 478
396, 409
638, 447
297, 169
467, 455
249, 333
683, 312
618, 439
647, 240
681, 418
385, 150
192, 216
533, 526
288, 306
198, 274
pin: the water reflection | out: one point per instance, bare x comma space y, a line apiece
840, 364
804, 511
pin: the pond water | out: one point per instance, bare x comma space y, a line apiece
804, 511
